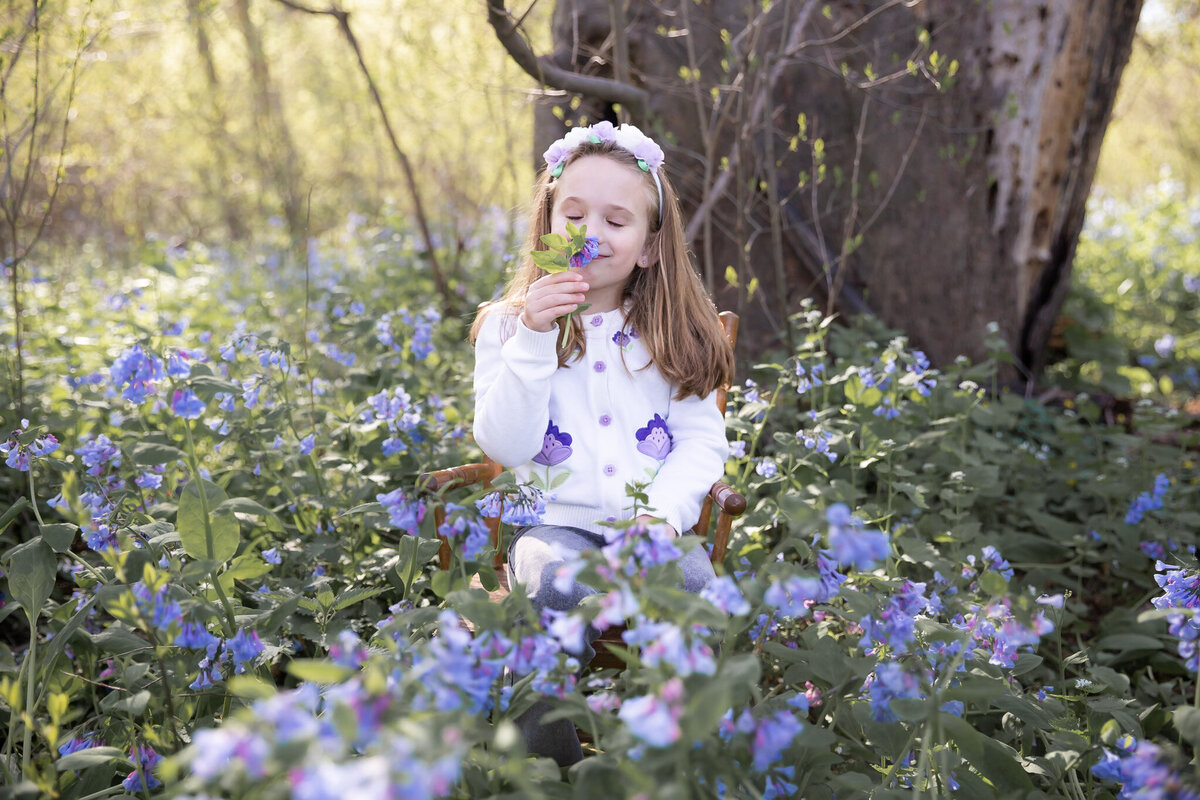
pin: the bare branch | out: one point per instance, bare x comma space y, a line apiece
343, 20
549, 74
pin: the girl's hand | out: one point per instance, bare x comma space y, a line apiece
552, 296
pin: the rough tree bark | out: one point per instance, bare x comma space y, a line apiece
836, 150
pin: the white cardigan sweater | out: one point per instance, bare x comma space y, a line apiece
581, 433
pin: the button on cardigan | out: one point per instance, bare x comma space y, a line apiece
580, 433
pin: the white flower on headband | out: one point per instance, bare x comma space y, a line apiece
648, 154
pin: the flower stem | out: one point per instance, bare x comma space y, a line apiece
30, 692
229, 624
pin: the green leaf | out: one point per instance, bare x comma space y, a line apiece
318, 670
91, 757
963, 736
251, 508
555, 241
30, 571
152, 453
353, 596
59, 535
1187, 722
119, 641
132, 704
993, 583
1129, 641
550, 260
223, 525
251, 686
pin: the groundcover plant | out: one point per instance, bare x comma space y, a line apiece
221, 579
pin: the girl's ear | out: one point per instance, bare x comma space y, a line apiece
650, 253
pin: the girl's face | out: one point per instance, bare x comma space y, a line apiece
611, 199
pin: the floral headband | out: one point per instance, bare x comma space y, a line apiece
647, 152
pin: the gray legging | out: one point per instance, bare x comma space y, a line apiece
534, 557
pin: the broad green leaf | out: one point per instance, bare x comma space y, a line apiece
1129, 641
119, 641
555, 241
252, 687
353, 596
59, 535
251, 508
91, 757
318, 670
219, 540
30, 571
1187, 722
151, 453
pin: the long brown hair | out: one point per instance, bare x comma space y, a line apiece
669, 308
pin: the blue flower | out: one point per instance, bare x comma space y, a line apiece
890, 682
793, 595
272, 556
307, 444
135, 372
186, 405
145, 757
403, 513
850, 544
655, 719
772, 736
244, 647
723, 592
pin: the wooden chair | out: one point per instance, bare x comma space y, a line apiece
730, 503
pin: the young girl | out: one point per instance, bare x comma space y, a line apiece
619, 393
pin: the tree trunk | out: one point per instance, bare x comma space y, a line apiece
846, 156
221, 144
279, 158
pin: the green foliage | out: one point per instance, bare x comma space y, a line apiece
1130, 324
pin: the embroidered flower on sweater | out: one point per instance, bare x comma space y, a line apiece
556, 447
654, 440
622, 339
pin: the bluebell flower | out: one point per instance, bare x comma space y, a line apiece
723, 592
195, 636
147, 759
98, 453
1143, 772
271, 556
772, 735
766, 468
307, 444
135, 372
664, 644
890, 682
1148, 501
850, 544
77, 743
148, 480
402, 512
793, 595
186, 405
654, 719
177, 366
244, 647
157, 607
886, 409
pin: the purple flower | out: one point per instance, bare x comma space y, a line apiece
95, 453
654, 440
793, 594
195, 636
272, 556
403, 514
1143, 772
148, 480
145, 757
306, 445
655, 719
723, 592
135, 371
851, 545
772, 736
1148, 501
77, 743
591, 249
186, 405
244, 647
890, 682
556, 446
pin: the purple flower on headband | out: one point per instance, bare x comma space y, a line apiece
556, 446
627, 137
556, 154
604, 131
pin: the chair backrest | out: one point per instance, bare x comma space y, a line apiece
488, 470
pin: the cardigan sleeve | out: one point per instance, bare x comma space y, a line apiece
512, 388
695, 463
